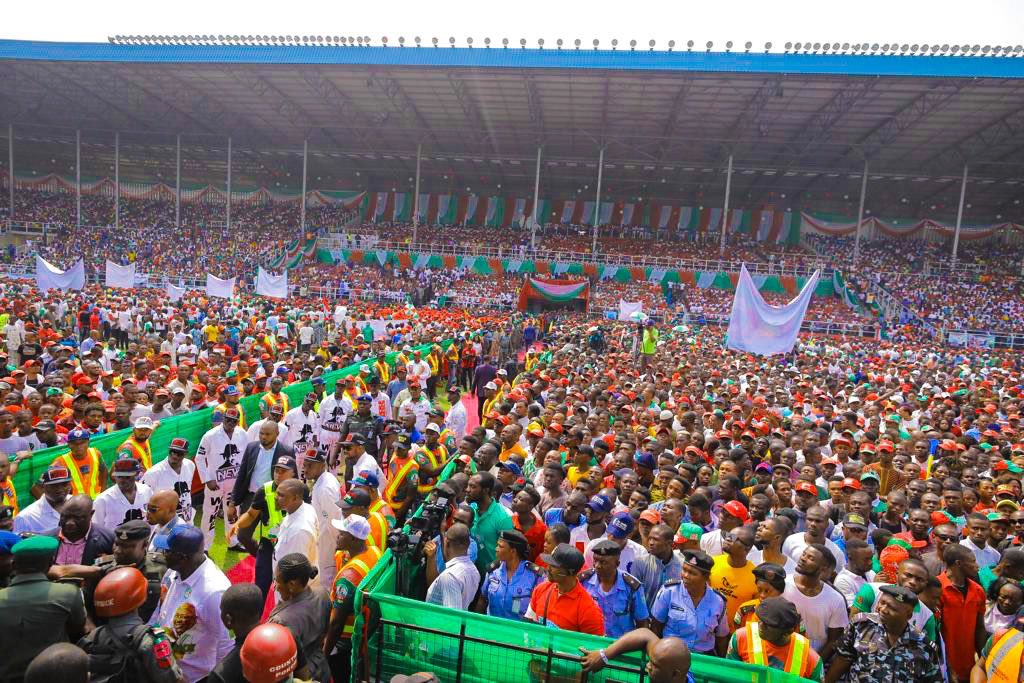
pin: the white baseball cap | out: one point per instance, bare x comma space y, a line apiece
143, 422
353, 524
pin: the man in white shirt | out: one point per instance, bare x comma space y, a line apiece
822, 608
857, 571
275, 415
44, 514
189, 608
301, 425
334, 409
620, 528
217, 460
418, 368
126, 500
456, 418
326, 500
977, 540
174, 473
456, 586
299, 529
816, 521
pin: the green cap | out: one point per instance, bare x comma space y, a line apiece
689, 532
985, 446
996, 517
36, 547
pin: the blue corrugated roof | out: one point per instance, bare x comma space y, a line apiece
517, 58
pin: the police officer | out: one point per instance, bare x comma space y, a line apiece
125, 643
131, 542
619, 595
689, 609
364, 423
510, 579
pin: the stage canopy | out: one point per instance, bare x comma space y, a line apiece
546, 294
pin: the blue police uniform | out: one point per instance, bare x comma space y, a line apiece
696, 626
510, 598
623, 606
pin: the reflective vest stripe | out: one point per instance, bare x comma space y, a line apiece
425, 485
1010, 645
274, 516
755, 645
381, 527
142, 454
270, 400
361, 567
396, 481
383, 372
797, 654
8, 496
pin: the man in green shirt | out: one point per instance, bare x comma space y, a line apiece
912, 574
491, 517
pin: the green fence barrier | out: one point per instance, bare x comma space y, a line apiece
190, 426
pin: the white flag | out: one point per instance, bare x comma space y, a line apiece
274, 286
49, 276
756, 327
120, 276
174, 293
224, 289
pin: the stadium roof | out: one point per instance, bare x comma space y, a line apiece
798, 125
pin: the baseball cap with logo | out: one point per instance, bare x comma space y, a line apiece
805, 487
737, 510
125, 466
56, 474
621, 525
79, 435
144, 422
183, 538
366, 478
688, 532
178, 445
355, 525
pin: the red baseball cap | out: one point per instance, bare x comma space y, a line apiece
851, 483
737, 510
806, 487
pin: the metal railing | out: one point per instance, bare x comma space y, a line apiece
367, 242
835, 329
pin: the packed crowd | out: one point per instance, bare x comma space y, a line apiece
606, 295
716, 304
623, 480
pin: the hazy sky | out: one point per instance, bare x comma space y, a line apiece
882, 21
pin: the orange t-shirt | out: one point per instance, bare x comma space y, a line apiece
572, 611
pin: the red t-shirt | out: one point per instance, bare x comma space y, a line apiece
535, 536
960, 614
572, 611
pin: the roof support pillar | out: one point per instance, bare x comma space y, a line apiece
177, 184
959, 215
860, 211
10, 168
536, 204
416, 195
725, 209
117, 180
597, 202
227, 204
302, 204
78, 178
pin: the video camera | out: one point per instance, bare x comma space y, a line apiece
423, 527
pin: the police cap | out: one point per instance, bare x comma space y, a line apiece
698, 559
606, 548
778, 613
135, 530
36, 548
900, 594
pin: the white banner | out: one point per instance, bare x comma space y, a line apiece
274, 286
175, 293
49, 276
224, 289
630, 310
120, 276
759, 328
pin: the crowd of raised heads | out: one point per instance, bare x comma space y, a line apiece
637, 481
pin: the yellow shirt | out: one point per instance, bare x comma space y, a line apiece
210, 333
575, 474
736, 585
516, 449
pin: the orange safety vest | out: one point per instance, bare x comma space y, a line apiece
383, 371
221, 407
378, 530
799, 647
8, 495
397, 480
140, 452
269, 400
384, 509
84, 482
360, 565
424, 486
1003, 663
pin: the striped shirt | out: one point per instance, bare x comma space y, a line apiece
457, 584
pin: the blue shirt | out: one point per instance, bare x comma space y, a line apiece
510, 598
622, 606
696, 626
557, 516
439, 556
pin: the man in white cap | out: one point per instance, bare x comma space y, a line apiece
352, 533
418, 368
217, 462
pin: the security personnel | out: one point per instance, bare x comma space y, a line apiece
367, 481
88, 473
510, 579
690, 610
231, 396
274, 397
1002, 658
770, 582
403, 476
35, 612
137, 445
126, 642
620, 595
382, 370
352, 534
269, 654
772, 641
364, 423
431, 458
358, 502
131, 543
